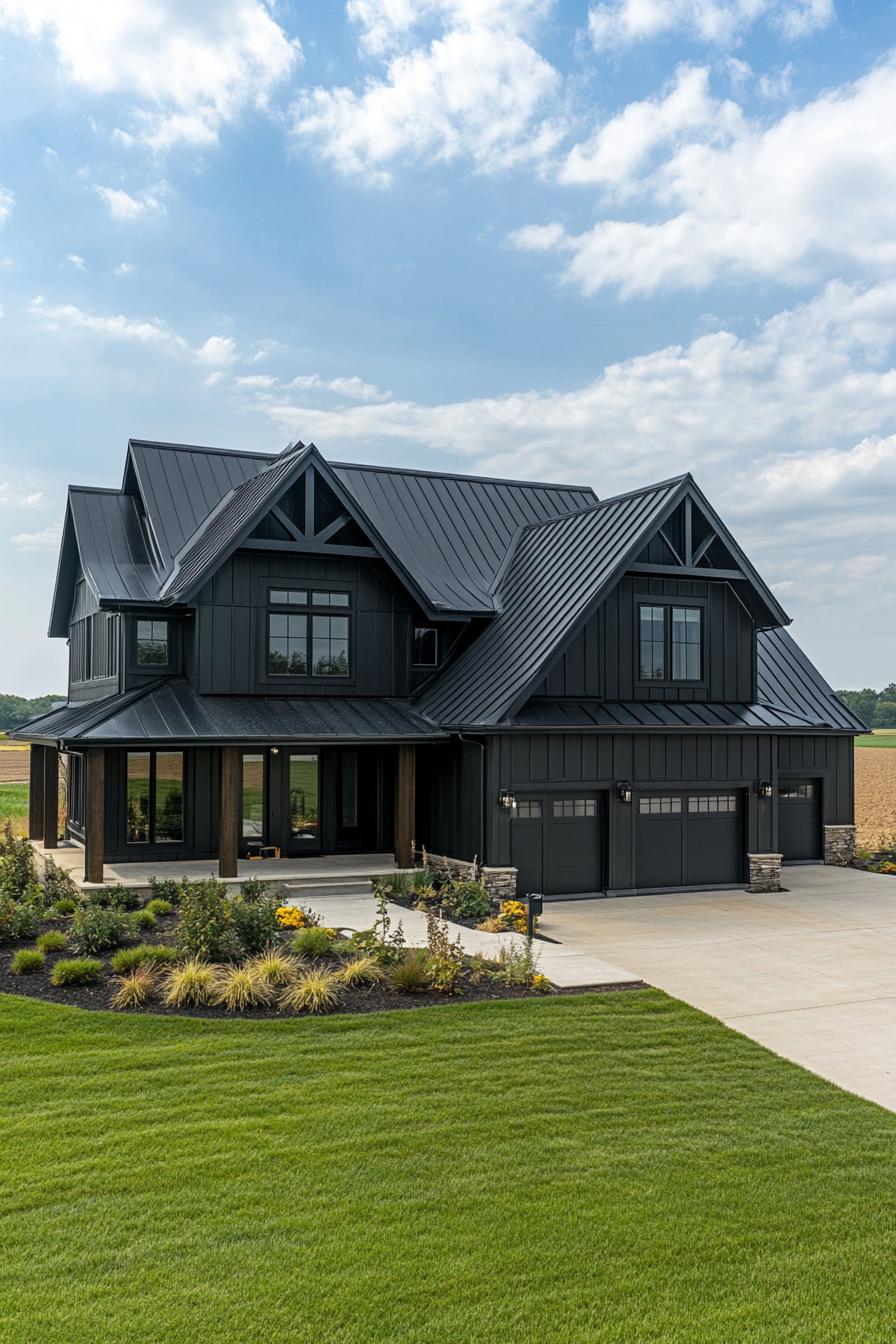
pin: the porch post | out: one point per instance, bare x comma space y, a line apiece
36, 793
95, 815
51, 798
405, 806
228, 819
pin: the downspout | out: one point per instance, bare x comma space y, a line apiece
481, 745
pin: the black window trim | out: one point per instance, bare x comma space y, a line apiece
152, 753
667, 603
425, 667
309, 609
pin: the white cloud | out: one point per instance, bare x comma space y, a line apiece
722, 22
812, 192
124, 268
9, 496
256, 382
217, 350
776, 83
356, 389
123, 206
78, 262
7, 201
477, 91
187, 69
31, 501
45, 540
618, 151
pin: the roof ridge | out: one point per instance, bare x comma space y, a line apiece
462, 476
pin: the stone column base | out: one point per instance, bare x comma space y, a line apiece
500, 883
765, 872
839, 845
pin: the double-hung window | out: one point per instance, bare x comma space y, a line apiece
152, 643
670, 642
308, 633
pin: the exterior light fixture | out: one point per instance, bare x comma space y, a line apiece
275, 751
506, 800
765, 789
624, 791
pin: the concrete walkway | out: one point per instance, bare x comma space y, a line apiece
810, 973
566, 967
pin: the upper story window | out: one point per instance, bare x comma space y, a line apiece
425, 652
93, 645
670, 643
152, 644
303, 637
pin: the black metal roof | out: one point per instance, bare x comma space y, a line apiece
786, 677
172, 711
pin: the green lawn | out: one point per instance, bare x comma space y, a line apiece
578, 1169
13, 800
885, 737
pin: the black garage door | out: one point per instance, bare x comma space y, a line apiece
556, 843
799, 819
692, 839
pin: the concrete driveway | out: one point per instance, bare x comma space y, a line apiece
810, 973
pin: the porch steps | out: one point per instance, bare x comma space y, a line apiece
301, 889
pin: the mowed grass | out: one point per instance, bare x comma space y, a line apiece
13, 801
881, 737
593, 1168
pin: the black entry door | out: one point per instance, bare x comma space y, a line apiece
689, 839
556, 843
355, 799
799, 819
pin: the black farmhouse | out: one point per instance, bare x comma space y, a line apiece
285, 654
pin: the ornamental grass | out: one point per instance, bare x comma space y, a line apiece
317, 991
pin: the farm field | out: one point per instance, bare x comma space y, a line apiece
585, 1168
875, 797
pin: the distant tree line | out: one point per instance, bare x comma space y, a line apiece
876, 708
15, 709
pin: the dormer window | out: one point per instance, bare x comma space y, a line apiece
152, 643
306, 635
426, 646
670, 642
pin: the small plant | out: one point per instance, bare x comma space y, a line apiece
17, 920
481, 969
189, 985
17, 867
467, 900
411, 975
144, 954
296, 917
274, 967
159, 907
446, 958
255, 918
361, 971
253, 889
96, 929
59, 885
143, 919
317, 991
164, 889
61, 909
206, 921
27, 961
114, 898
135, 989
540, 983
239, 987
313, 942
76, 971
54, 940
517, 965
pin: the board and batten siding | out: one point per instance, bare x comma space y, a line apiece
830, 759
601, 660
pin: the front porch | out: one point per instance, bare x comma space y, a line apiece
324, 868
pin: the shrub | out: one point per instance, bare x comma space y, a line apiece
482, 968
135, 989
255, 920
296, 917
317, 991
27, 961
517, 965
206, 921
143, 919
61, 909
95, 929
158, 906
411, 975
144, 954
239, 987
361, 971
17, 867
445, 957
253, 889
274, 967
164, 889
540, 983
54, 940
189, 985
59, 885
76, 971
468, 900
313, 942
114, 898
17, 920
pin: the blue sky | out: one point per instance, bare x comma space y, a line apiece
602, 242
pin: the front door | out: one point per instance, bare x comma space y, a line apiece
799, 819
356, 791
302, 803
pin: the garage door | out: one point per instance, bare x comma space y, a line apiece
799, 819
556, 843
692, 839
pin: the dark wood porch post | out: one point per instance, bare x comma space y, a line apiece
36, 793
228, 810
51, 798
95, 815
405, 806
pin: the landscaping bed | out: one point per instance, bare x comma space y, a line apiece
201, 949
462, 900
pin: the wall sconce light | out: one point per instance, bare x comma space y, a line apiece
275, 751
624, 791
765, 789
506, 800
